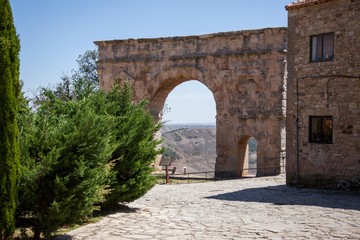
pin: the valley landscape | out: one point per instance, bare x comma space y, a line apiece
193, 146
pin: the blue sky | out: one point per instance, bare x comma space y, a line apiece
54, 33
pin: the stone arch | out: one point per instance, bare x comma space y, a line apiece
244, 70
243, 152
244, 156
253, 149
168, 80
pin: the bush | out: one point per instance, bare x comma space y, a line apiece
65, 149
82, 148
136, 150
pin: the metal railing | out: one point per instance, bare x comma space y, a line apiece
211, 175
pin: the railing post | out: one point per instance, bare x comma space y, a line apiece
167, 174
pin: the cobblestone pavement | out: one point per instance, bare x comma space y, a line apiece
256, 208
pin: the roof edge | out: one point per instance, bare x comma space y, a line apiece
305, 3
181, 38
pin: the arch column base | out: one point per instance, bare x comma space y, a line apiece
226, 174
268, 172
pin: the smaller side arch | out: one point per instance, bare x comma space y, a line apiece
247, 156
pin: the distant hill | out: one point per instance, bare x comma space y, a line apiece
194, 146
191, 146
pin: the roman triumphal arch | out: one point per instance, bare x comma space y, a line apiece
245, 71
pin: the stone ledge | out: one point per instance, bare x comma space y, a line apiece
184, 38
191, 55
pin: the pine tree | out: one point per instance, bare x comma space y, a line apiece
137, 147
9, 146
65, 149
81, 147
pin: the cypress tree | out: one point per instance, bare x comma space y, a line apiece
9, 146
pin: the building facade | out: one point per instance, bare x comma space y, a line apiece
323, 94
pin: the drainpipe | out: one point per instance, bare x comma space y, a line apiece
297, 131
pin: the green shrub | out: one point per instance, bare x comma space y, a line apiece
137, 147
9, 145
65, 149
82, 148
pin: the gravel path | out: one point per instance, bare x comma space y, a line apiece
256, 208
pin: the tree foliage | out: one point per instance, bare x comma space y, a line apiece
82, 82
81, 148
9, 146
137, 147
66, 146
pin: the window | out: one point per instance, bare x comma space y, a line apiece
322, 47
321, 129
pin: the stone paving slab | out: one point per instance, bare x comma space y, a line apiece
254, 208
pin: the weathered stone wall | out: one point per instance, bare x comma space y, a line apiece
329, 88
244, 70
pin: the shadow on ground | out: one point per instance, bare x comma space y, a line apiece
62, 237
101, 213
283, 195
114, 209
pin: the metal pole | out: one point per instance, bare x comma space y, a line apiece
167, 174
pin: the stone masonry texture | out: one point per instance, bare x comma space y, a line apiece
330, 88
244, 70
247, 73
252, 208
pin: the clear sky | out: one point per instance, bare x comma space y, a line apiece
53, 33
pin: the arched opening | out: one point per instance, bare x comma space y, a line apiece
252, 166
190, 102
247, 155
189, 131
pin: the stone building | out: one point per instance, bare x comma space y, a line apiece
246, 72
323, 94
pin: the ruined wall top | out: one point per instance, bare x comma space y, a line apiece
305, 3
156, 49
